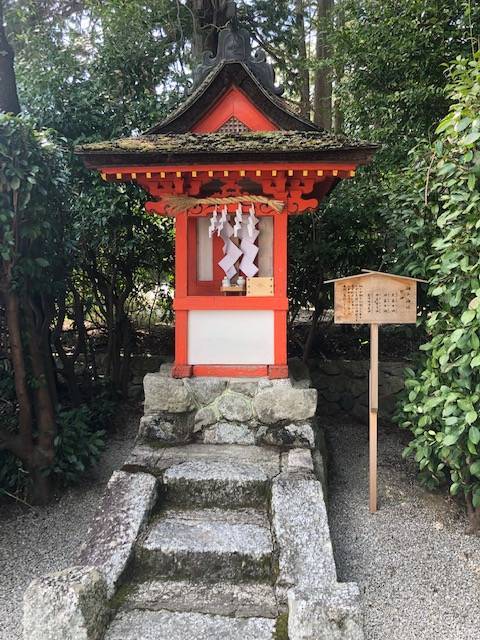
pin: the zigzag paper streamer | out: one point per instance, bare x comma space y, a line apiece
213, 222
238, 220
249, 235
231, 252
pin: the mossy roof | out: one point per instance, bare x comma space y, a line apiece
219, 80
171, 148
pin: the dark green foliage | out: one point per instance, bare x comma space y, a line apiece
441, 220
78, 444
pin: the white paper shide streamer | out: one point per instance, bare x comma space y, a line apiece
249, 234
244, 228
230, 250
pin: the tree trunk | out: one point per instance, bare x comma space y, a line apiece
302, 50
9, 102
45, 412
322, 107
473, 515
25, 415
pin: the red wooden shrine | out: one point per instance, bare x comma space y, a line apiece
233, 151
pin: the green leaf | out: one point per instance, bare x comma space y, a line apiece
450, 439
474, 435
468, 316
470, 417
475, 362
471, 138
475, 468
454, 488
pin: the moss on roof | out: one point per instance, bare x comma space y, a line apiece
227, 143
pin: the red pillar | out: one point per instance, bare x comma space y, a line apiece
181, 367
280, 369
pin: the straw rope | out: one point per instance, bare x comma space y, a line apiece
184, 203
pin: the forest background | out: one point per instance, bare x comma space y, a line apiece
80, 258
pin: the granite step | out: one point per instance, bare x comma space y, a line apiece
246, 600
219, 483
167, 625
157, 460
206, 545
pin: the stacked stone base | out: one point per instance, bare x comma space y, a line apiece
227, 410
216, 528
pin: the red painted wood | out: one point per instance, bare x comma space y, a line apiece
279, 165
181, 338
234, 104
182, 371
235, 303
230, 371
280, 228
276, 372
192, 256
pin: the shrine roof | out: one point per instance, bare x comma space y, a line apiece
204, 148
214, 84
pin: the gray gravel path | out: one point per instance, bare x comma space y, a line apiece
35, 541
417, 569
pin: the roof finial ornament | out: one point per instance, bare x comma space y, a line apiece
234, 45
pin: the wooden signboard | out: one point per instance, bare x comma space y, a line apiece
375, 298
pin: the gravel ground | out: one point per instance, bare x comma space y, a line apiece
35, 541
418, 571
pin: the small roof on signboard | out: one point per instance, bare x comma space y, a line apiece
370, 272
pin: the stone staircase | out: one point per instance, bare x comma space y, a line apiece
198, 570
215, 528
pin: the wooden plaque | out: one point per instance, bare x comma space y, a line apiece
375, 298
259, 286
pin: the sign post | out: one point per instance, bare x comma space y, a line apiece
374, 298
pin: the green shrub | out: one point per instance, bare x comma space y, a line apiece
78, 444
441, 222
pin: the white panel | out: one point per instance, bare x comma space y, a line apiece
265, 247
204, 250
230, 337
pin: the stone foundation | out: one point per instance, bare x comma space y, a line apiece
228, 410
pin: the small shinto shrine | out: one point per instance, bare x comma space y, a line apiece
231, 164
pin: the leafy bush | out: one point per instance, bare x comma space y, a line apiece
441, 220
78, 444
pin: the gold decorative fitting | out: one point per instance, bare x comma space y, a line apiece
149, 175
134, 176
118, 176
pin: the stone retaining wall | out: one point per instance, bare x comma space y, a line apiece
343, 387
